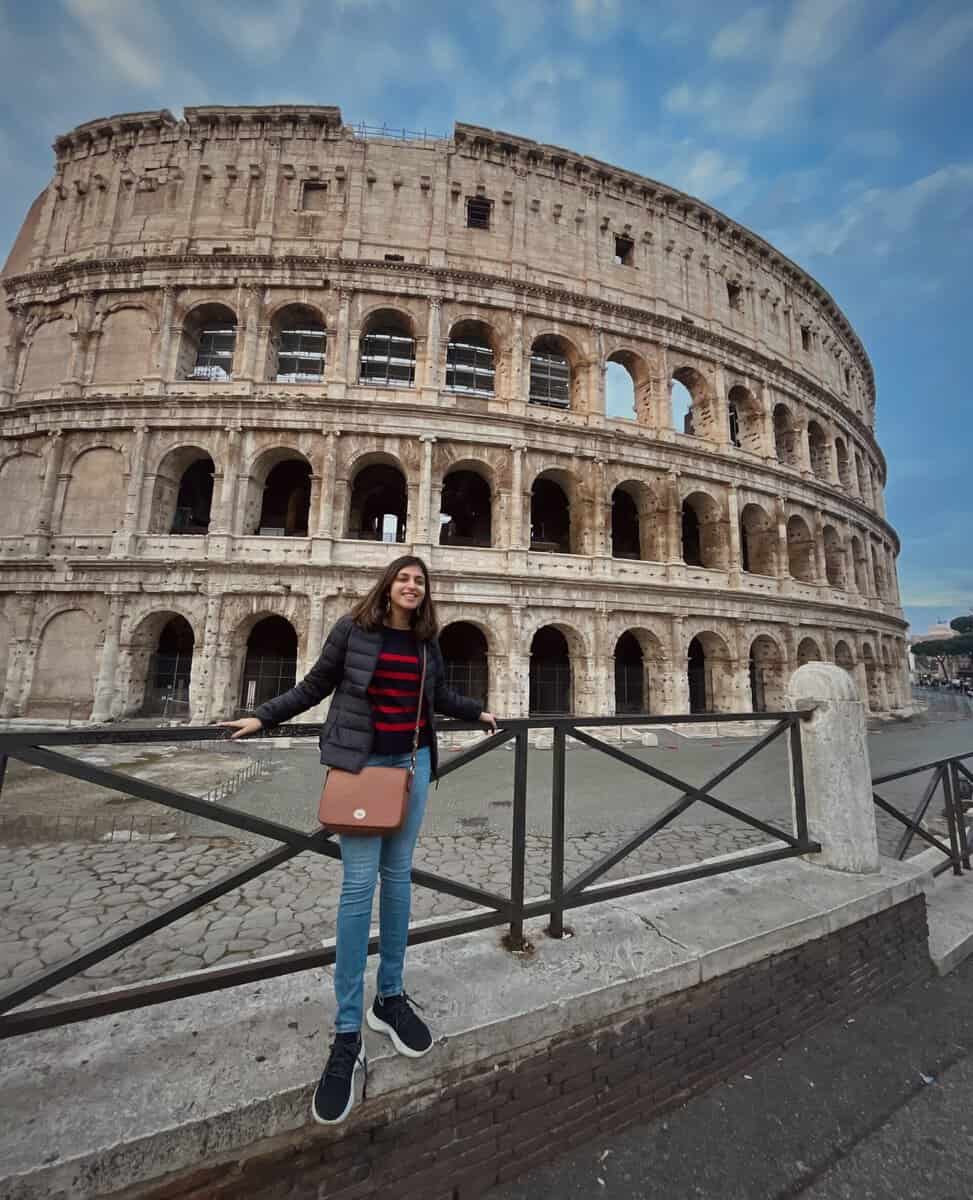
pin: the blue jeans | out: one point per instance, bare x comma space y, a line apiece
365, 859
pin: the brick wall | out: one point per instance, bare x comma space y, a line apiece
486, 1124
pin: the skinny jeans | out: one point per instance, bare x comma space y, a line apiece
365, 860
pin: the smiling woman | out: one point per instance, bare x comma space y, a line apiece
383, 663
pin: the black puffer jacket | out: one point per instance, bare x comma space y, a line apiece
345, 667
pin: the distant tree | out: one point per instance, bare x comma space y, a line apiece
941, 649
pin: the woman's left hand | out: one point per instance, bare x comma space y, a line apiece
487, 718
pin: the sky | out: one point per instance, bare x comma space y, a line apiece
839, 130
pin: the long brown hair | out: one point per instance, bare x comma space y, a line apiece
370, 612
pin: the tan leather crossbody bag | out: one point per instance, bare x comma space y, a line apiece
375, 800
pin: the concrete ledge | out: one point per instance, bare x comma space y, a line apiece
949, 907
118, 1102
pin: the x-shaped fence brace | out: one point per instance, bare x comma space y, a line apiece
493, 908
946, 775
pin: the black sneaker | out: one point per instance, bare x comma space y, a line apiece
334, 1097
394, 1017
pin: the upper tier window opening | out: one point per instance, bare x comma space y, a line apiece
301, 356
214, 359
388, 358
314, 196
624, 251
478, 210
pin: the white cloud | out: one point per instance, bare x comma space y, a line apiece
263, 30
737, 112
744, 37
816, 32
916, 50
123, 36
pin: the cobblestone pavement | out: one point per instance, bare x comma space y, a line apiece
56, 900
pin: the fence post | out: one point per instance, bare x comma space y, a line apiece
837, 771
518, 865
556, 927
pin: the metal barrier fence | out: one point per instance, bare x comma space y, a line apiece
955, 783
493, 909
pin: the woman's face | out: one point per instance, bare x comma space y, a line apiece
408, 589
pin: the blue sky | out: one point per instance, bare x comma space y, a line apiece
841, 130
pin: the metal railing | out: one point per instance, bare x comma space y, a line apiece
955, 783
492, 909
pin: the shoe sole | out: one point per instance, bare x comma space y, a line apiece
381, 1026
348, 1107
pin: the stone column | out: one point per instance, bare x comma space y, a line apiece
202, 701
123, 543
837, 771
736, 552
421, 515
517, 499
783, 558
268, 201
12, 699
312, 650
721, 411
162, 367
52, 473
252, 296
518, 666
679, 674
322, 532
673, 519
11, 360
767, 422
341, 371
223, 515
431, 365
516, 386
821, 557
108, 663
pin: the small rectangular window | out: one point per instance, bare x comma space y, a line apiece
624, 252
847, 379
314, 196
805, 338
395, 258
734, 294
478, 212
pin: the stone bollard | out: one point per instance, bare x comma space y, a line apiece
837, 771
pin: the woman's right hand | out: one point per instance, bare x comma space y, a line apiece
244, 727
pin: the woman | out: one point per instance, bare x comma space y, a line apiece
372, 662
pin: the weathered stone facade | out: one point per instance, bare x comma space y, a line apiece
241, 348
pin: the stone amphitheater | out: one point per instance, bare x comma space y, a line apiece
252, 354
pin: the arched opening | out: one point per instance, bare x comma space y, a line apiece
843, 657
208, 344
470, 359
682, 407
21, 480
702, 542
298, 345
550, 673
766, 675
758, 541
743, 416
700, 689
626, 539
286, 500
378, 504
550, 517
801, 550
465, 510
169, 671
270, 666
834, 557
808, 651
817, 444
879, 570
631, 676
464, 649
387, 350
785, 436
844, 465
619, 390
194, 498
550, 372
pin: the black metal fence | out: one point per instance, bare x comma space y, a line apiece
952, 781
492, 909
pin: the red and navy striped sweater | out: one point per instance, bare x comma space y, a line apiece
394, 694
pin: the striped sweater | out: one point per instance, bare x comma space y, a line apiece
394, 694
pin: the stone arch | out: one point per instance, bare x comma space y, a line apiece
785, 436
161, 649
47, 354
808, 650
551, 674
65, 666
387, 348
844, 465
298, 343
637, 653
465, 648
95, 494
758, 540
818, 450
21, 481
182, 493
207, 345
555, 374
834, 557
844, 657
802, 558
709, 672
553, 526
697, 419
472, 351
704, 541
466, 506
377, 499
269, 659
279, 493
626, 380
768, 684
745, 419
125, 337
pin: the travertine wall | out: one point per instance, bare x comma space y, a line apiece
149, 223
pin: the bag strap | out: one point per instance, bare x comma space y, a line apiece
415, 736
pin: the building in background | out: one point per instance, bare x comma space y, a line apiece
251, 355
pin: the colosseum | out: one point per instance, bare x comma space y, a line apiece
252, 353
